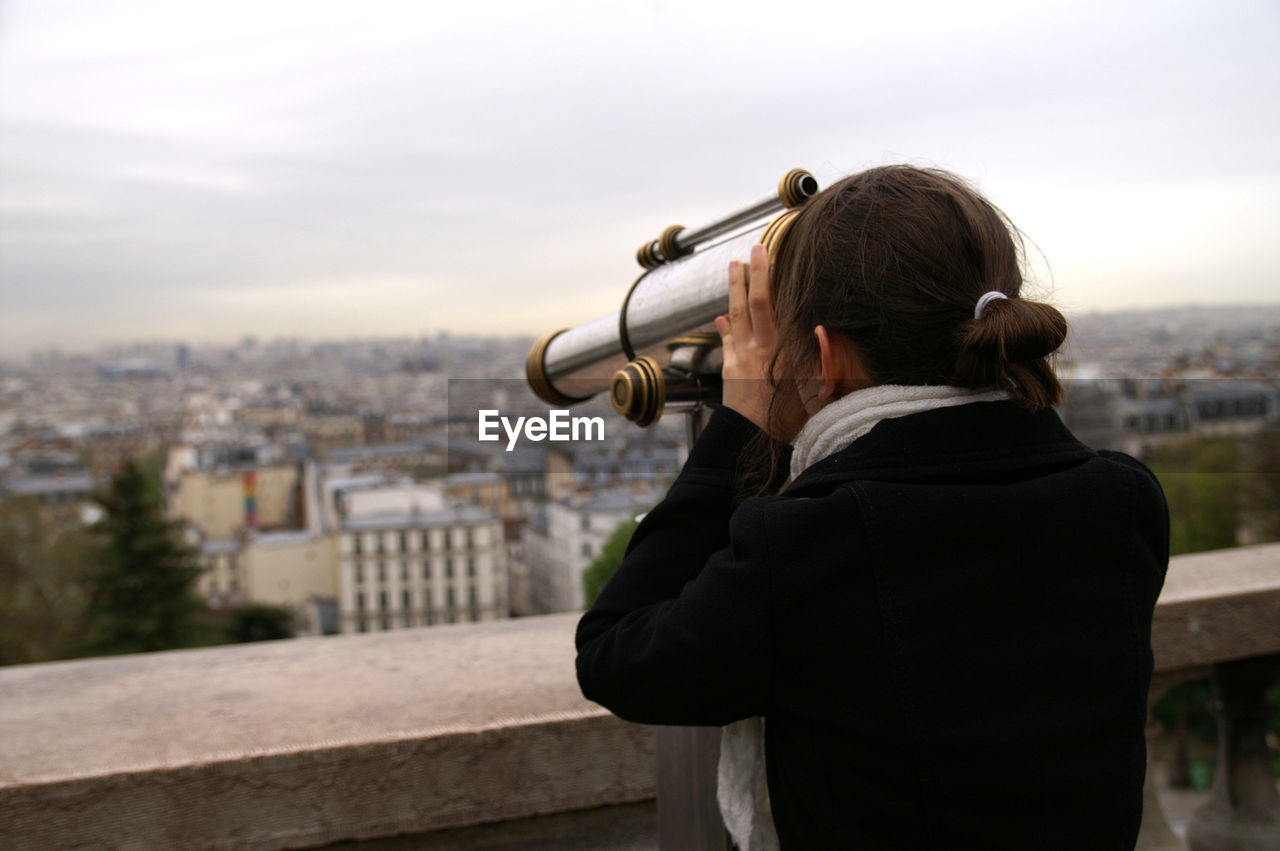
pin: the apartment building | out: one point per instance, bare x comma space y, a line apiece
421, 568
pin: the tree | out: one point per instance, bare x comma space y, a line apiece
1262, 499
1203, 485
606, 564
140, 593
42, 550
260, 622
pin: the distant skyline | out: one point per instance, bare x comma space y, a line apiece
334, 170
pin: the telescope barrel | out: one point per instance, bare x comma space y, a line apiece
653, 334
795, 187
672, 299
691, 237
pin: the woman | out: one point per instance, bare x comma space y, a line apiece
944, 616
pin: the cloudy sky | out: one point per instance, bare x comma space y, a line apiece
201, 171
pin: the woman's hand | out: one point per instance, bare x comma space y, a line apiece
747, 333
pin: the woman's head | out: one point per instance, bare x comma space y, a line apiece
892, 262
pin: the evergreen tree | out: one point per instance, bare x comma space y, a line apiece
606, 564
140, 595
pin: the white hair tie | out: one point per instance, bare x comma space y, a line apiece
986, 299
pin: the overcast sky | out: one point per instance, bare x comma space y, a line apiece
201, 171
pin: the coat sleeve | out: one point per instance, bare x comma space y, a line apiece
681, 634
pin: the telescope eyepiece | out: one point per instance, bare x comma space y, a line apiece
796, 187
639, 391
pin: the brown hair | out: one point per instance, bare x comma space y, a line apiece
894, 260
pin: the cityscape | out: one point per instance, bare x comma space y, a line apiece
343, 486
292, 555
344, 482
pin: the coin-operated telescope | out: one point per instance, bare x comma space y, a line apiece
660, 350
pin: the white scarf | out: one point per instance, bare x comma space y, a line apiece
851, 416
742, 788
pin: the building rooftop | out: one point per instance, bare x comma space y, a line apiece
219, 547
45, 485
284, 538
403, 519
348, 454
473, 479
615, 499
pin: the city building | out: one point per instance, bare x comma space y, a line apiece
221, 490
221, 582
566, 535
295, 570
1136, 415
421, 568
638, 456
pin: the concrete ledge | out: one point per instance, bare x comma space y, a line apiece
1218, 607
306, 742
301, 743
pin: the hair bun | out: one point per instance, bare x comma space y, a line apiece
1007, 346
1020, 330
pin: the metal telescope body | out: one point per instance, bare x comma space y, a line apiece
659, 351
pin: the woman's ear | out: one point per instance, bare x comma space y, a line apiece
841, 369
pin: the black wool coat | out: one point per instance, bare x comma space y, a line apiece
946, 626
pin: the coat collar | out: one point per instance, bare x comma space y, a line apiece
976, 441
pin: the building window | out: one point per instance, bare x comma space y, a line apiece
448, 568
382, 544
426, 541
382, 601
357, 544
585, 520
586, 548
470, 538
426, 570
406, 600
404, 542
404, 570
448, 539
382, 571
471, 567
359, 571
473, 604
360, 602
362, 624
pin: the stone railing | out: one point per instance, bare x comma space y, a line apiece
476, 736
292, 744
1219, 614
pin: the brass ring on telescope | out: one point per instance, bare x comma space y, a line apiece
695, 338
667, 244
771, 239
624, 336
535, 371
796, 187
639, 391
646, 257
657, 393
